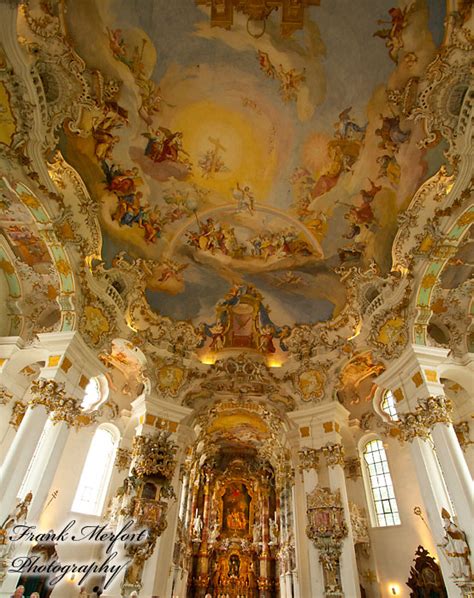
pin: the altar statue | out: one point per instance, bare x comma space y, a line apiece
197, 527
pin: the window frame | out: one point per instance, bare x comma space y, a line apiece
369, 488
96, 506
393, 417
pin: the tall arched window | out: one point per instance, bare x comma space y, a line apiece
384, 504
95, 477
388, 405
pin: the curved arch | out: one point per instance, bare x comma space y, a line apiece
433, 271
58, 255
458, 373
24, 357
13, 288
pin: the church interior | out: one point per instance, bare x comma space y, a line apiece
236, 298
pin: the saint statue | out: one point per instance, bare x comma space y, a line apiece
197, 527
273, 527
455, 547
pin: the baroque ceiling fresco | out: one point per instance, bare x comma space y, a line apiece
233, 160
187, 181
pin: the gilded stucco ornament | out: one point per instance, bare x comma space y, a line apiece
334, 454
5, 395
436, 410
123, 459
154, 455
62, 408
411, 426
308, 459
98, 320
428, 413
17, 414
327, 529
245, 375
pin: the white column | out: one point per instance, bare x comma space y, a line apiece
348, 563
456, 475
48, 461
306, 550
435, 497
288, 585
19, 456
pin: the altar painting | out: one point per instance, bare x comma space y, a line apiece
236, 509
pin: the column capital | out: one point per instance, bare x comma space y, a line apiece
308, 459
334, 454
428, 413
61, 407
412, 425
436, 410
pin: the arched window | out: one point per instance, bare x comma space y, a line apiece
95, 477
389, 405
384, 504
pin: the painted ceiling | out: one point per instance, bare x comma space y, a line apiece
222, 194
227, 158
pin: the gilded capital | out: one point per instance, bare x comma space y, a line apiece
308, 459
436, 410
412, 425
61, 408
334, 454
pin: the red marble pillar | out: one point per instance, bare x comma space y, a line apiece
264, 580
202, 580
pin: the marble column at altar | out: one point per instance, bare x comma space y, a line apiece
286, 480
66, 356
439, 465
202, 577
264, 558
180, 587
